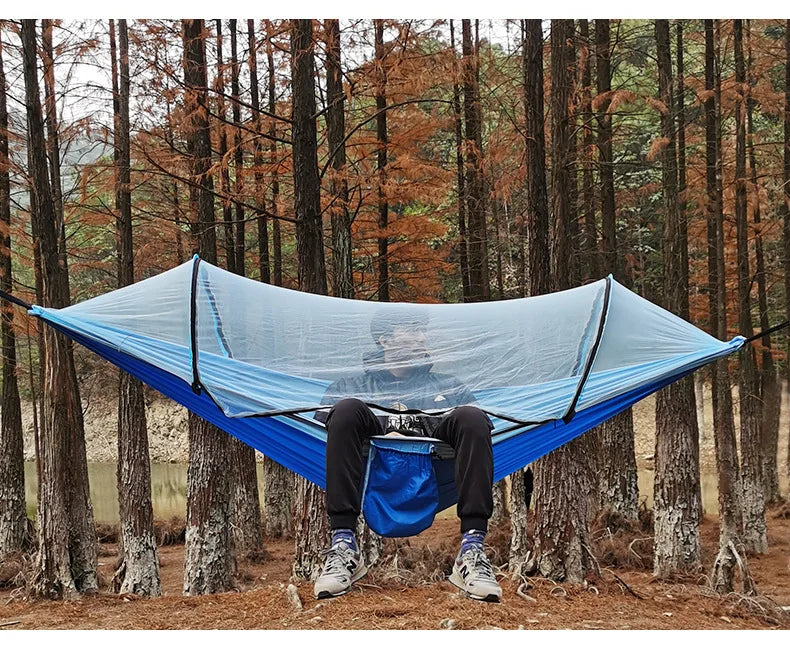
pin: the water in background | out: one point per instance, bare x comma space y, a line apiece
169, 490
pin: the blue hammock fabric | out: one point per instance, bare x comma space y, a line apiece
192, 333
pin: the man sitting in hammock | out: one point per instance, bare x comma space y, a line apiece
399, 377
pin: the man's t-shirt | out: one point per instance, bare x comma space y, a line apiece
422, 389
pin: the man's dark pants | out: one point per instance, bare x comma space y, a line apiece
467, 429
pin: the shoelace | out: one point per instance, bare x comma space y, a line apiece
336, 559
480, 565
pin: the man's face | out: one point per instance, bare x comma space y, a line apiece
405, 347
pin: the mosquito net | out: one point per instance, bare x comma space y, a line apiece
259, 349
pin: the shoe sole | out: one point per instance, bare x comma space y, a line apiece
456, 580
325, 594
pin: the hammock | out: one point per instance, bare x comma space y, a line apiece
261, 362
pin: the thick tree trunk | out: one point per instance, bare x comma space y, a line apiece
310, 511
66, 561
754, 536
463, 252
82, 536
13, 515
676, 507
342, 273
562, 542
683, 230
615, 475
476, 203
537, 230
209, 560
278, 499
731, 553
138, 568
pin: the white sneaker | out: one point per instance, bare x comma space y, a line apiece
473, 575
342, 568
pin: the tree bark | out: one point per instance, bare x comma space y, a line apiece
536, 223
616, 474
562, 542
66, 562
590, 239
769, 388
786, 206
275, 206
238, 151
138, 568
754, 536
13, 514
476, 203
209, 560
260, 190
381, 161
278, 481
312, 529
676, 545
731, 552
463, 252
684, 311
224, 163
245, 504
342, 273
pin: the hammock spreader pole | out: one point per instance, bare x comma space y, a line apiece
15, 300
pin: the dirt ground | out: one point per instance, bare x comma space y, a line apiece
415, 595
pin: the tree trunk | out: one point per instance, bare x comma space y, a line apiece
731, 553
245, 510
786, 210
616, 474
66, 562
138, 568
224, 163
500, 511
279, 482
562, 542
276, 236
676, 544
260, 190
13, 514
590, 239
82, 536
209, 560
463, 252
754, 536
238, 151
769, 388
342, 273
381, 161
476, 203
537, 230
683, 231
310, 514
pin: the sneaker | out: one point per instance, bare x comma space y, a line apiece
342, 568
473, 575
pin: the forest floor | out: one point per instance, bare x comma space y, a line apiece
412, 593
